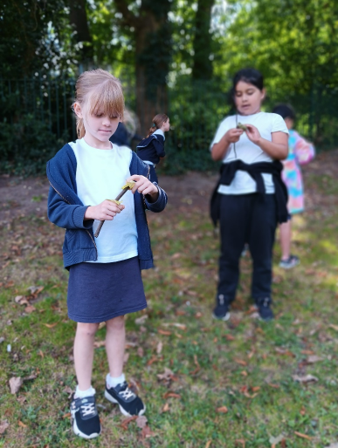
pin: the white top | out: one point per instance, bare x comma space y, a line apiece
100, 175
249, 152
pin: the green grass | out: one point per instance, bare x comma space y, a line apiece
244, 365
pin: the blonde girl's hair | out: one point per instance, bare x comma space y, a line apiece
158, 121
98, 92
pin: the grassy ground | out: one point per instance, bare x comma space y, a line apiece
206, 384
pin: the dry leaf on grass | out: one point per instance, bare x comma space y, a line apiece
15, 383
167, 375
29, 309
304, 379
3, 426
51, 325
140, 352
314, 358
124, 424
303, 436
165, 408
141, 421
171, 395
208, 444
146, 432
222, 409
159, 348
141, 320
275, 440
164, 332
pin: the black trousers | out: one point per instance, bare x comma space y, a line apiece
251, 219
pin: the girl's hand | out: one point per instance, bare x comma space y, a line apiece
233, 135
253, 134
144, 186
105, 211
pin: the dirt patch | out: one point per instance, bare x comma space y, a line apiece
28, 196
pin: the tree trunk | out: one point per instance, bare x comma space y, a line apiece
152, 36
202, 44
78, 18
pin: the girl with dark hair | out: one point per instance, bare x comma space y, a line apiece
300, 152
151, 148
250, 197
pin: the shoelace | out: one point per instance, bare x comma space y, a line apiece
87, 409
126, 394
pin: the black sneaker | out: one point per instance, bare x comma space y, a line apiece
221, 311
85, 417
292, 261
264, 309
129, 403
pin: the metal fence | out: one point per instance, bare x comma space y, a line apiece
195, 111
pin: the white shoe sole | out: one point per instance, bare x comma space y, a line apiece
122, 410
77, 431
225, 318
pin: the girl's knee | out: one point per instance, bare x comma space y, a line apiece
87, 329
116, 323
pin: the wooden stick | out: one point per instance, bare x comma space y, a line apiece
125, 188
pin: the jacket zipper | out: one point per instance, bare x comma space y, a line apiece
89, 233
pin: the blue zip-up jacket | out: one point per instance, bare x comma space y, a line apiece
66, 210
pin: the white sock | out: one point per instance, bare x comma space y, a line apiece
84, 393
113, 382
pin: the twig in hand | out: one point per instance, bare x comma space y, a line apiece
125, 188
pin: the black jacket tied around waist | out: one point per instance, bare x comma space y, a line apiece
227, 173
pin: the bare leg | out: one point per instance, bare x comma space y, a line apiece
83, 353
285, 239
115, 345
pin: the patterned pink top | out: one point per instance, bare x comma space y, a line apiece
301, 152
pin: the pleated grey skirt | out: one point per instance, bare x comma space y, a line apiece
98, 292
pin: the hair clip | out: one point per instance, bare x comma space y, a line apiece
153, 125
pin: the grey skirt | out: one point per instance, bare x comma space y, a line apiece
98, 292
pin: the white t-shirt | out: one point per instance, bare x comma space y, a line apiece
100, 175
249, 152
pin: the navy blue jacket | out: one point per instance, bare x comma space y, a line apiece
151, 148
66, 210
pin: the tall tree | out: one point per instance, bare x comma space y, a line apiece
151, 33
78, 19
202, 43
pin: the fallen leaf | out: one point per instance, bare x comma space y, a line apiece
275, 440
240, 361
98, 344
334, 327
180, 313
22, 424
255, 388
30, 377
21, 399
197, 316
208, 444
146, 432
152, 360
126, 356
141, 320
29, 309
51, 325
229, 337
66, 415
124, 424
164, 332
304, 436
140, 352
304, 379
171, 395
21, 300
275, 386
167, 375
242, 442
222, 409
3, 426
159, 348
141, 421
165, 408
15, 383
302, 411
314, 358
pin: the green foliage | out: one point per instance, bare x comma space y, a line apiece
26, 146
